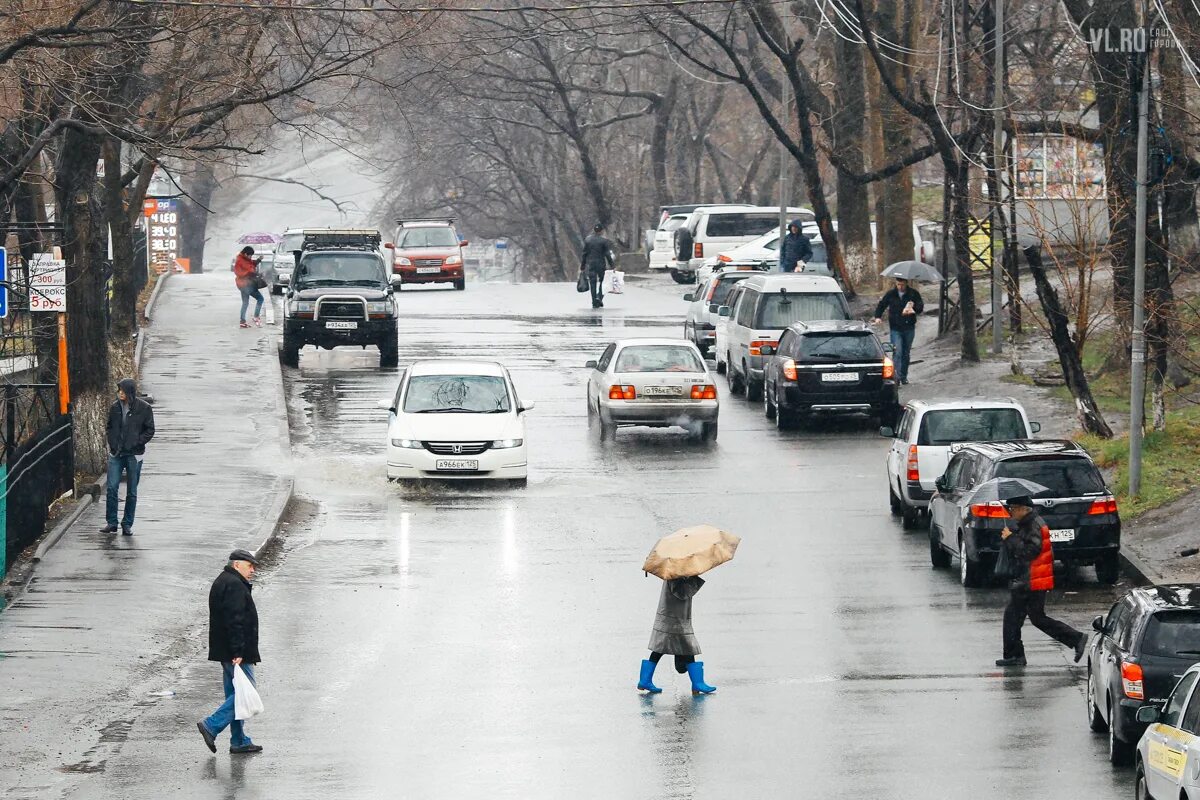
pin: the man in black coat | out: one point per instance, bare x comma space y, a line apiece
130, 427
794, 248
597, 257
233, 641
903, 304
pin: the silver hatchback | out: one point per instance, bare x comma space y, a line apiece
658, 383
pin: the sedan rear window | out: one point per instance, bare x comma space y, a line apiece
971, 425
780, 310
658, 358
1064, 477
1175, 634
840, 347
476, 394
740, 225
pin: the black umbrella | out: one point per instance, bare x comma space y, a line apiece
912, 271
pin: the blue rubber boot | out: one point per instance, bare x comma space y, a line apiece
646, 681
696, 673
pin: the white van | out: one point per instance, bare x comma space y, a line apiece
712, 230
757, 312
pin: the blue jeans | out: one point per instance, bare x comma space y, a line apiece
247, 293
133, 472
222, 718
902, 340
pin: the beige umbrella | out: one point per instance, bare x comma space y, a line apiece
691, 551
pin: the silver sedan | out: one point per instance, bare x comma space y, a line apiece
658, 383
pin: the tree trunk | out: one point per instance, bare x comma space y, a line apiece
894, 209
193, 214
960, 208
1183, 225
123, 311
660, 139
849, 125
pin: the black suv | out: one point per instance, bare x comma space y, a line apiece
1139, 651
340, 294
829, 366
1080, 511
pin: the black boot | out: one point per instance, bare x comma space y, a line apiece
1015, 661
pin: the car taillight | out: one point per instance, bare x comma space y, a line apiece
789, 370
758, 344
1105, 505
724, 259
992, 510
622, 393
711, 291
704, 391
697, 250
1131, 680
914, 472
889, 369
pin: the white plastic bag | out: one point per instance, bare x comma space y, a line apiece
618, 282
246, 702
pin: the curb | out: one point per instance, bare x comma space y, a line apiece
1138, 570
268, 532
143, 329
52, 538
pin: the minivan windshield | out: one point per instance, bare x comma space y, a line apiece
432, 236
740, 224
840, 347
1174, 634
777, 311
971, 425
1064, 477
345, 269
465, 394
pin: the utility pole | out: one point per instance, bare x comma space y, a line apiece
783, 152
1001, 167
1137, 359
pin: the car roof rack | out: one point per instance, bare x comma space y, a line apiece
407, 220
342, 239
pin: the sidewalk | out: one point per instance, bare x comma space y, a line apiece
107, 619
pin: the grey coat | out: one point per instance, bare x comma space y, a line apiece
673, 623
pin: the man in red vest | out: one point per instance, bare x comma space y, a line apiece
1033, 575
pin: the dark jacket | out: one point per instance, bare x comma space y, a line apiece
129, 433
794, 248
597, 254
672, 632
894, 303
232, 619
1031, 553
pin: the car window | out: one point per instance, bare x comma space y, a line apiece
780, 310
1115, 617
427, 237
966, 476
602, 364
772, 245
478, 394
290, 242
1173, 710
673, 223
787, 342
341, 268
724, 288
1064, 477
1173, 634
740, 224
840, 347
953, 471
701, 293
905, 424
658, 358
1191, 717
971, 425
745, 309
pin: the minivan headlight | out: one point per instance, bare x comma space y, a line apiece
505, 444
411, 444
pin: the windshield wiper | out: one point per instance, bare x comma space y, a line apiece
1187, 652
453, 410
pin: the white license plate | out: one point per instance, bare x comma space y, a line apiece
457, 464
341, 325
839, 377
661, 391
1062, 535
428, 270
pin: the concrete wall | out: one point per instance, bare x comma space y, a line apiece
1062, 220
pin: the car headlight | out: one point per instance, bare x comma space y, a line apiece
504, 444
304, 306
380, 307
401, 261
453, 261
411, 444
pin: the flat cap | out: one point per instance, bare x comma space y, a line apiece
1020, 500
243, 555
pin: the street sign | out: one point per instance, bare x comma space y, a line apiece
162, 235
3, 282
501, 244
47, 283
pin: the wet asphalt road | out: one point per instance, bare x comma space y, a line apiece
484, 641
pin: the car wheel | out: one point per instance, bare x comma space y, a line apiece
289, 352
460, 284
682, 277
768, 407
970, 573
1140, 790
1108, 569
909, 517
389, 354
893, 501
591, 414
1119, 751
753, 388
785, 418
939, 557
720, 367
736, 383
708, 431
1095, 719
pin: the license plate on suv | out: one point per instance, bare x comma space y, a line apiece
1062, 535
457, 464
661, 391
341, 325
839, 377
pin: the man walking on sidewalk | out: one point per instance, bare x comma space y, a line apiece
130, 427
903, 304
596, 258
233, 641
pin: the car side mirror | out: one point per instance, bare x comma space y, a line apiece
386, 404
1148, 714
724, 311
389, 246
463, 243
291, 293
689, 297
1098, 624
887, 432
1036, 427
940, 483
593, 364
530, 406
713, 308
767, 350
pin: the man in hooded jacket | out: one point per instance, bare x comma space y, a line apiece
596, 258
795, 248
130, 426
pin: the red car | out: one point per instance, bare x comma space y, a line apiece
427, 251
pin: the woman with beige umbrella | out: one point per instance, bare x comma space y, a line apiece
680, 559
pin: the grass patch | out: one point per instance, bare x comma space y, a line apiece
1020, 380
927, 202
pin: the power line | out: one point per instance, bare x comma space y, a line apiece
371, 9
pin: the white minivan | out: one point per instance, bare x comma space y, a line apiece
712, 230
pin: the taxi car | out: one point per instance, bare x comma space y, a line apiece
658, 383
1167, 764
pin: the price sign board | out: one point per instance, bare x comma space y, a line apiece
162, 235
47, 283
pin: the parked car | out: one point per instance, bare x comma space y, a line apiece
652, 382
711, 230
1138, 651
827, 368
699, 326
759, 310
1168, 755
291, 242
662, 254
427, 251
922, 439
1085, 526
456, 418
